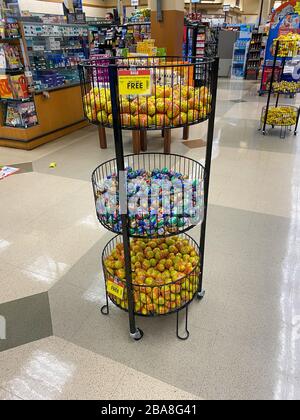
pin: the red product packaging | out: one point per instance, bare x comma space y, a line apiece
19, 86
5, 89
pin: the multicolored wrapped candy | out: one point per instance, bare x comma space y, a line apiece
159, 202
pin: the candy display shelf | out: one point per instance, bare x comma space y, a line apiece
50, 55
17, 105
254, 56
54, 51
150, 201
195, 42
281, 116
105, 38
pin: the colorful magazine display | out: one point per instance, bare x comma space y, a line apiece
19, 86
5, 88
10, 57
13, 118
21, 115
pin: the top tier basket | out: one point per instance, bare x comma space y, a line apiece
179, 93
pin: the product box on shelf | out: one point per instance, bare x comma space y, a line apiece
55, 52
5, 88
10, 57
19, 86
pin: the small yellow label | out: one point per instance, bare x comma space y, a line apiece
135, 82
115, 289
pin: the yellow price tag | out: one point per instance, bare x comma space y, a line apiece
115, 289
135, 82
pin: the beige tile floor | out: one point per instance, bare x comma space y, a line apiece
245, 334
53, 369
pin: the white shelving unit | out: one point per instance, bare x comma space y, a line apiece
239, 58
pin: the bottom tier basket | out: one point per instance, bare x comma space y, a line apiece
281, 116
165, 274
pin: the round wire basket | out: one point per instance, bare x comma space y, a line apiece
158, 289
289, 45
179, 92
164, 194
282, 116
286, 88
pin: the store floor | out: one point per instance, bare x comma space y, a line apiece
245, 334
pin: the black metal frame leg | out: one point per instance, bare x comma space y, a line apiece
135, 333
208, 159
297, 122
187, 333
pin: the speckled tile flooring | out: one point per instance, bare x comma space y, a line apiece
245, 334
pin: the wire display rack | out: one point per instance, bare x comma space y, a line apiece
152, 267
285, 116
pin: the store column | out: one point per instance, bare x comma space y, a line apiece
168, 33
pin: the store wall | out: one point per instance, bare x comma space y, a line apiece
55, 7
92, 8
249, 9
113, 3
253, 7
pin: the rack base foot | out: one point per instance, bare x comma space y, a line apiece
201, 295
138, 335
186, 331
105, 310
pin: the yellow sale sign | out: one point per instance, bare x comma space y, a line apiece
135, 82
115, 288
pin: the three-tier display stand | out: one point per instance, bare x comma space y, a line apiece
285, 116
151, 200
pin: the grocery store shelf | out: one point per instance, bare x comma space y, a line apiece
65, 86
5, 100
9, 39
12, 71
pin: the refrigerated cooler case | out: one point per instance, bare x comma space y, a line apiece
239, 58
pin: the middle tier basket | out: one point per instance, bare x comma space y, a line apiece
165, 194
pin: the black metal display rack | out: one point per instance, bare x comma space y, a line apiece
149, 219
285, 116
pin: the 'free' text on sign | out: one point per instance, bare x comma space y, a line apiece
136, 82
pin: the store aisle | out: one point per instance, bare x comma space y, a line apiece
245, 334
